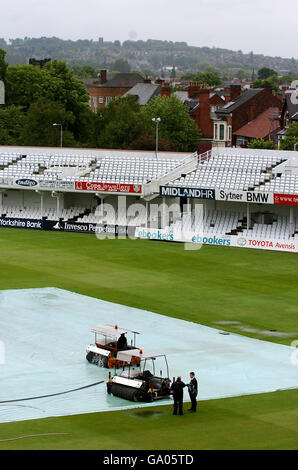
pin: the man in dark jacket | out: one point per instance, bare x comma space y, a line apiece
122, 343
193, 391
177, 389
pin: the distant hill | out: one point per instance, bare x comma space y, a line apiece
150, 55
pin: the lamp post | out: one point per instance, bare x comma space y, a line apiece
157, 121
295, 145
61, 132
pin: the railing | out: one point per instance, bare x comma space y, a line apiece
204, 157
187, 165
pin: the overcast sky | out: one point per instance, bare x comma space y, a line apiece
264, 26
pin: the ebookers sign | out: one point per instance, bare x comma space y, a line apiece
178, 191
257, 197
218, 239
108, 187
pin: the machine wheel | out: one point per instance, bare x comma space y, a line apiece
102, 361
98, 359
90, 356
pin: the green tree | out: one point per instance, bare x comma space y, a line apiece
24, 84
291, 138
119, 123
267, 83
12, 123
85, 71
266, 72
39, 129
120, 65
260, 144
55, 83
176, 125
3, 65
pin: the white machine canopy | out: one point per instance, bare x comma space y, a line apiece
111, 331
126, 355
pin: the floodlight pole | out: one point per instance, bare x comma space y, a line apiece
61, 133
157, 121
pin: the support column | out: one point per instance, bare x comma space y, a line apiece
58, 206
1, 203
41, 205
248, 216
291, 221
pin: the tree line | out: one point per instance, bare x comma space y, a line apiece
36, 98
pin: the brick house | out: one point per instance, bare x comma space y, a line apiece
102, 89
239, 111
289, 112
265, 126
202, 103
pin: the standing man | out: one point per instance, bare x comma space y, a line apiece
122, 343
177, 389
193, 391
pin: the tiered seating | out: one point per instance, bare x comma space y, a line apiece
110, 218
133, 169
286, 184
235, 172
42, 167
21, 212
7, 158
215, 221
278, 230
48, 213
220, 222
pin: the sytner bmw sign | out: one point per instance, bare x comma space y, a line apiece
244, 196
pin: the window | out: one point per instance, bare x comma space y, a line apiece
94, 99
229, 132
108, 99
100, 99
221, 132
215, 132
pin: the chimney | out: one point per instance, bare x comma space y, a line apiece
103, 76
205, 122
235, 91
193, 89
251, 113
166, 89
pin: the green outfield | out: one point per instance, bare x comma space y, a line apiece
257, 289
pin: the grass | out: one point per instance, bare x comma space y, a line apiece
266, 422
254, 287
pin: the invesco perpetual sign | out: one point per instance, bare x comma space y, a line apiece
26, 182
179, 191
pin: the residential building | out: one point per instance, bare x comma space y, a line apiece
103, 89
